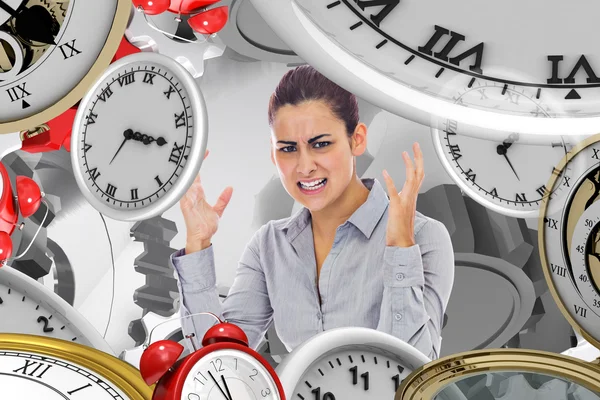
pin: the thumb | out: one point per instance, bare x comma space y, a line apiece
223, 200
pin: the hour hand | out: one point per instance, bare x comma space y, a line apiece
128, 134
219, 386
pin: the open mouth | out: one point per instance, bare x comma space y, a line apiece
313, 185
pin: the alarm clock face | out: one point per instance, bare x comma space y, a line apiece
228, 374
141, 132
48, 56
569, 249
25, 374
402, 55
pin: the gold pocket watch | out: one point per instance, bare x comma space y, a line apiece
36, 367
569, 237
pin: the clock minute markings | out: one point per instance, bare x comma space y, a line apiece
582, 62
378, 18
70, 392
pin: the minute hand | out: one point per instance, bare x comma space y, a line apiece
511, 166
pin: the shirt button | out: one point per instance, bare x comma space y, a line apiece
399, 276
398, 317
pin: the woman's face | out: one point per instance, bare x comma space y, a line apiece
312, 152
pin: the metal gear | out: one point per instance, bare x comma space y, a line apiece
190, 55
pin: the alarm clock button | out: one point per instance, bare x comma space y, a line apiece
29, 196
209, 22
5, 247
158, 358
225, 332
152, 7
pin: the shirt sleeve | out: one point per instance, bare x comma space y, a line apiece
417, 285
247, 305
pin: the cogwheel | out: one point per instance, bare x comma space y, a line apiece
160, 294
475, 229
160, 328
190, 55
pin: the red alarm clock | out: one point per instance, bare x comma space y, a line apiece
202, 20
27, 202
225, 368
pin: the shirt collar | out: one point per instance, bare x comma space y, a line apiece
365, 218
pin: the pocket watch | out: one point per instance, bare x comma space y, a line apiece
46, 368
53, 51
138, 137
401, 55
348, 363
224, 368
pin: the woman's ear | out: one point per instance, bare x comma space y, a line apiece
359, 139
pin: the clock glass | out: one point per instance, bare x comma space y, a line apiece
39, 376
228, 374
352, 372
139, 137
48, 48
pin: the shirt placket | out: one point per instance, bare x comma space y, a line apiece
326, 272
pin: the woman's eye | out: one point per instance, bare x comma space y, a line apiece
322, 144
287, 149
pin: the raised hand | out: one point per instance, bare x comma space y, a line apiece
201, 219
403, 205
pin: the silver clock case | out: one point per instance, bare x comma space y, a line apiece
193, 164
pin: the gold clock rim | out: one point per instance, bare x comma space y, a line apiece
426, 381
118, 372
542, 245
113, 40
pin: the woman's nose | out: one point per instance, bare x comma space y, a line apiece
306, 164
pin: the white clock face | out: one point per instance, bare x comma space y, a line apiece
351, 373
228, 375
27, 306
570, 252
139, 133
47, 50
403, 55
25, 375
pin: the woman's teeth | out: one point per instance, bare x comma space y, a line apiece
314, 185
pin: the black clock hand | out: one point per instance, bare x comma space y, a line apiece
216, 383
36, 23
8, 9
501, 150
128, 135
226, 387
147, 139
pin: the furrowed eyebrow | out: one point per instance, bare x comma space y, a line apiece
311, 140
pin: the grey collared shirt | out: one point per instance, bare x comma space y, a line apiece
363, 282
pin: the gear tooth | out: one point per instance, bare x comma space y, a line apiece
536, 315
36, 265
446, 204
499, 236
38, 217
137, 331
17, 165
155, 259
156, 229
161, 301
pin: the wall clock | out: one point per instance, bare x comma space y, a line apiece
29, 307
503, 374
348, 363
52, 39
39, 367
139, 137
411, 57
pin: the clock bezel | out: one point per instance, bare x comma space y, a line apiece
35, 290
170, 386
292, 26
424, 383
118, 372
123, 11
294, 365
196, 154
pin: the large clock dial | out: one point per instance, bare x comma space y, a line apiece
140, 136
34, 367
405, 55
50, 52
568, 241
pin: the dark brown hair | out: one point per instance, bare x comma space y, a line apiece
304, 83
